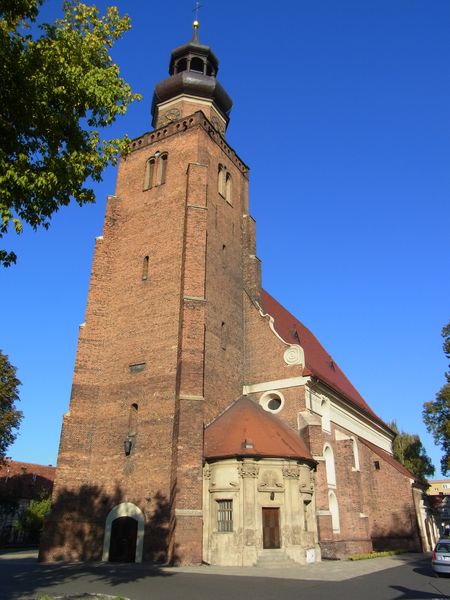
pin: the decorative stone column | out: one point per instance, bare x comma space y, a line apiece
293, 513
248, 471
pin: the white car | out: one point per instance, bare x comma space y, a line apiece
440, 560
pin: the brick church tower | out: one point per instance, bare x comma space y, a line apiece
161, 351
206, 422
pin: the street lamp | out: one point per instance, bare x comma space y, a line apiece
127, 446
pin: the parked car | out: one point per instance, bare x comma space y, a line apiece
440, 560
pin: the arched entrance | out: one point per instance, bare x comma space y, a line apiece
124, 534
122, 547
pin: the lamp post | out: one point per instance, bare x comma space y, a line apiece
127, 446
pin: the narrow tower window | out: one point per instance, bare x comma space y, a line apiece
155, 170
228, 188
132, 419
145, 268
221, 180
162, 167
223, 335
149, 173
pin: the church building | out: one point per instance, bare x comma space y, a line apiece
206, 422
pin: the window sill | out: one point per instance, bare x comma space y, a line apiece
222, 532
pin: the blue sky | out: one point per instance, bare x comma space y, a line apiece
342, 111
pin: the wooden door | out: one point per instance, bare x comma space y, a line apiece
271, 527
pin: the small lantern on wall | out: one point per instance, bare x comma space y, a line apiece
127, 444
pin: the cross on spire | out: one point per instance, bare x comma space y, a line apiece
197, 9
196, 24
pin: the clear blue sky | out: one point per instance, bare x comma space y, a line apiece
342, 112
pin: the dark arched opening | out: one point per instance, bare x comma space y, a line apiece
122, 547
197, 64
181, 65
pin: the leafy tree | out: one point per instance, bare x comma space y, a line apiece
436, 414
10, 417
58, 89
409, 451
31, 520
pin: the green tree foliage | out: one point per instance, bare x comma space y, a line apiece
31, 520
408, 450
10, 417
58, 89
436, 414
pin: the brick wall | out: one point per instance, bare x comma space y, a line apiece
167, 346
185, 365
389, 504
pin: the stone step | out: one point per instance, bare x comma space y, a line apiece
274, 559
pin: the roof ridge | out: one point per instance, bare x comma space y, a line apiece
314, 349
9, 461
391, 458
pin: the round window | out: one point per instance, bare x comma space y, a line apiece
274, 404
272, 401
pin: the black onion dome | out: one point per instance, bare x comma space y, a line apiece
193, 68
194, 84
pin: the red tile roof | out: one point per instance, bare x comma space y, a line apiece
318, 362
246, 429
26, 480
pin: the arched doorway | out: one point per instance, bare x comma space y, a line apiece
124, 534
122, 547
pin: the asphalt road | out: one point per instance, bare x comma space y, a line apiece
408, 577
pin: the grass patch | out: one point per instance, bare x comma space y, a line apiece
367, 555
94, 596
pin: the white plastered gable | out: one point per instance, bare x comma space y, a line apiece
294, 353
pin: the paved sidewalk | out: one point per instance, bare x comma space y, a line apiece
327, 570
